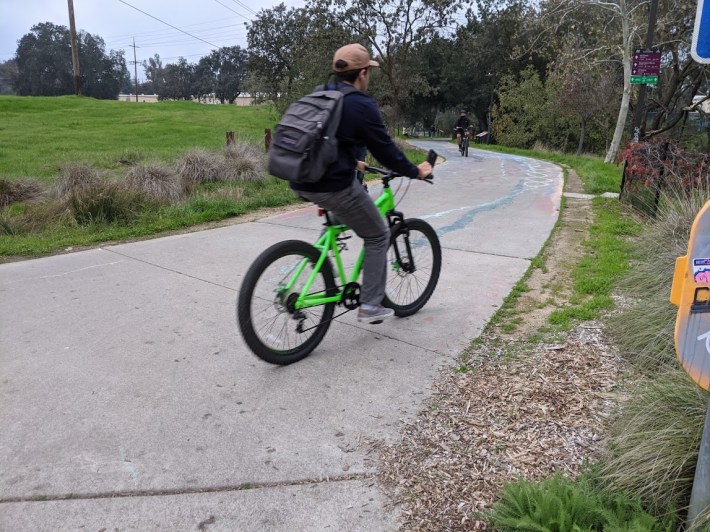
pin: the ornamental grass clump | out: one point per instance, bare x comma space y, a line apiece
74, 178
653, 447
156, 181
643, 329
19, 190
198, 166
107, 202
243, 161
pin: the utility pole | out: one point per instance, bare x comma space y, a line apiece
640, 113
74, 48
135, 65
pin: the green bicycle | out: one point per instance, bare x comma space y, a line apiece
289, 294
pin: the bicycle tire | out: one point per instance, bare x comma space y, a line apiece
266, 324
466, 154
407, 292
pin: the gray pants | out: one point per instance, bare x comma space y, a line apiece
354, 207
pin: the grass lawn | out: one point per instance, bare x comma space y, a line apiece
37, 134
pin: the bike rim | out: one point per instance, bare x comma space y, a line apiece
272, 318
403, 287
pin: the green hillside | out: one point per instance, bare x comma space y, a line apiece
37, 134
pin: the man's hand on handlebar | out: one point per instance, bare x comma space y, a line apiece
425, 170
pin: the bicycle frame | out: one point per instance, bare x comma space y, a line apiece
328, 243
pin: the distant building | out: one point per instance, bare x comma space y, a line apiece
152, 98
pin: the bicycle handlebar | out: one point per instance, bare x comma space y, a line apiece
388, 175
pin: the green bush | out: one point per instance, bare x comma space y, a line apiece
559, 505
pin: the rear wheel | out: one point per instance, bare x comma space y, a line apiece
272, 328
414, 264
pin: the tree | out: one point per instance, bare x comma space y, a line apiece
522, 110
8, 76
290, 51
44, 62
44, 66
102, 75
393, 29
681, 77
498, 40
179, 80
583, 89
155, 74
222, 73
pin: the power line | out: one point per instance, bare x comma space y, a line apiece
168, 24
232, 10
242, 4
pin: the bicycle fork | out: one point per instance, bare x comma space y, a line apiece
396, 219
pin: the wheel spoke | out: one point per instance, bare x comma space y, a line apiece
266, 304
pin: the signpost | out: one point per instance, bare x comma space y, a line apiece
646, 66
691, 294
700, 48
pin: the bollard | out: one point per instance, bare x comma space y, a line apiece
230, 137
267, 139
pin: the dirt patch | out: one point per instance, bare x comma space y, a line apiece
515, 407
549, 286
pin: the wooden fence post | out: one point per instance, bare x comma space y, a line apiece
267, 139
230, 137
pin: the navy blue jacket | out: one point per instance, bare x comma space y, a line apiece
360, 124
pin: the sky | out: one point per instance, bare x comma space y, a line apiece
210, 24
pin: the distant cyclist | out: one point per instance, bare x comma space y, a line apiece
462, 125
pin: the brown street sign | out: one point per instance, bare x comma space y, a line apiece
646, 63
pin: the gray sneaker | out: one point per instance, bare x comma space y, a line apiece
375, 315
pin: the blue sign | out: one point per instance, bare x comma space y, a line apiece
700, 49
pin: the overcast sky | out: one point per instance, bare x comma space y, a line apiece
218, 22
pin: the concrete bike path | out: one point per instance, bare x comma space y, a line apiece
129, 401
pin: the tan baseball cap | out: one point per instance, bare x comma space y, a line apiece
354, 56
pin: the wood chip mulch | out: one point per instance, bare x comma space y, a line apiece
526, 415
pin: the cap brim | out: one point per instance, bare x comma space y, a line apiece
373, 63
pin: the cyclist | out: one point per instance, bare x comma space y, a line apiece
342, 194
463, 124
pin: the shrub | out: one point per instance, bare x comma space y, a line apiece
38, 216
654, 444
559, 505
198, 166
74, 178
243, 162
19, 190
106, 202
156, 181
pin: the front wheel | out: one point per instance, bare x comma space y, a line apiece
414, 264
272, 328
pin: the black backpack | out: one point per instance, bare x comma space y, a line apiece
304, 144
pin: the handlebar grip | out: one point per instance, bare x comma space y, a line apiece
431, 158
